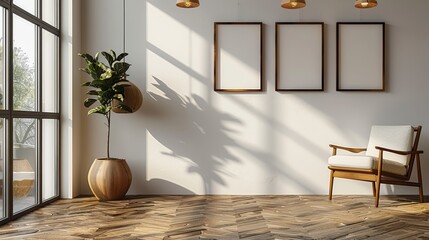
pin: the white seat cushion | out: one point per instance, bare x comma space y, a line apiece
393, 137
352, 161
366, 162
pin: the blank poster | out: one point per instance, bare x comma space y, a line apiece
238, 57
299, 56
360, 56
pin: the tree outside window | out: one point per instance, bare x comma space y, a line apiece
24, 93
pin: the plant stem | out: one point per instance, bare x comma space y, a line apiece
108, 135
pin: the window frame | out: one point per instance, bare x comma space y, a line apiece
9, 114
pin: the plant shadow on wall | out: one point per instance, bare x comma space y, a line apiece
193, 131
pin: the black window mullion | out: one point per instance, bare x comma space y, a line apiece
39, 85
4, 4
9, 133
28, 114
39, 164
39, 81
59, 100
6, 13
35, 20
58, 153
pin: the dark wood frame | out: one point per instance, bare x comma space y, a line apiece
339, 60
216, 77
376, 177
278, 56
9, 114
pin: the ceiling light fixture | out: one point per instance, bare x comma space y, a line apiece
366, 3
293, 4
188, 3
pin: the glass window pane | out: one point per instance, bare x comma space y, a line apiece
49, 158
2, 167
50, 9
49, 72
24, 163
2, 60
27, 5
24, 62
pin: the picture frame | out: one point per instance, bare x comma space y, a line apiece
300, 56
238, 64
361, 56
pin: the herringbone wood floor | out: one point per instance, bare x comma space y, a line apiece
226, 217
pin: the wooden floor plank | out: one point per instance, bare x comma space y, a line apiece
226, 218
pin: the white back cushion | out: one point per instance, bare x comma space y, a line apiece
393, 137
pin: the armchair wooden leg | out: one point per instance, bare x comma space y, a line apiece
373, 189
422, 197
378, 182
377, 192
419, 176
331, 184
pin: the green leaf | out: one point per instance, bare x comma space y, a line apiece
92, 92
121, 56
97, 56
100, 109
125, 108
86, 70
86, 84
88, 102
94, 110
119, 97
95, 69
105, 96
87, 57
119, 88
107, 74
108, 109
121, 67
103, 66
98, 84
108, 57
113, 54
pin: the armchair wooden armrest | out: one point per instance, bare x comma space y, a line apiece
397, 151
349, 149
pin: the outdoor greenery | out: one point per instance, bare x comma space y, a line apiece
24, 89
108, 84
24, 94
24, 97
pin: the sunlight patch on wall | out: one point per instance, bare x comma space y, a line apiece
172, 75
176, 54
303, 144
163, 30
162, 163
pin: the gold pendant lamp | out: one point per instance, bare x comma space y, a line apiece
188, 3
366, 3
293, 4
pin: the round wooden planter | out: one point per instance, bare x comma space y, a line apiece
133, 98
109, 179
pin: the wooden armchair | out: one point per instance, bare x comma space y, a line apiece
389, 159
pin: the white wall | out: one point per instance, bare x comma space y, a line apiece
188, 139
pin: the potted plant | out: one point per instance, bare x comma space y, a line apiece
109, 178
